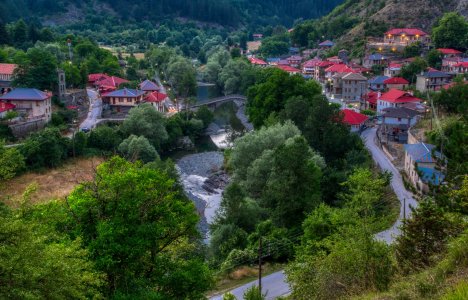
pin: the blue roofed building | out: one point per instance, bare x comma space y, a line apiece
123, 99
377, 83
31, 104
422, 165
149, 86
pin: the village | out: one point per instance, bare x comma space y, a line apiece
386, 100
382, 98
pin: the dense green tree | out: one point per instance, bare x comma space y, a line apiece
453, 140
453, 100
251, 146
352, 263
38, 70
35, 264
254, 293
72, 75
205, 115
236, 76
273, 47
434, 59
20, 33
451, 32
293, 186
339, 255
138, 148
270, 94
46, 148
4, 36
413, 50
182, 76
423, 236
11, 162
139, 228
410, 71
145, 121
104, 138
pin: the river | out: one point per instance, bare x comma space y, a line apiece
201, 171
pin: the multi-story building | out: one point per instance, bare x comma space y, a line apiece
31, 104
432, 80
354, 87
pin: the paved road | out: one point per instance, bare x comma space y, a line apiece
405, 197
274, 285
95, 110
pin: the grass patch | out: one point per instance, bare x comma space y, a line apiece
51, 184
241, 276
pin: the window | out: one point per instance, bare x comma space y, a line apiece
121, 100
129, 99
399, 119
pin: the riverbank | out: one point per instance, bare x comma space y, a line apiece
204, 180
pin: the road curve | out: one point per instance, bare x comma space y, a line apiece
274, 285
406, 198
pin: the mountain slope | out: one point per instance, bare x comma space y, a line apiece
351, 21
224, 12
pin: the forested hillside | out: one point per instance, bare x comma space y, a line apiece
224, 12
353, 20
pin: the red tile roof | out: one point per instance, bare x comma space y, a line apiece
447, 51
7, 69
257, 61
6, 106
288, 69
394, 65
463, 64
406, 31
339, 68
111, 82
97, 76
312, 63
371, 97
396, 80
155, 97
353, 118
325, 64
397, 96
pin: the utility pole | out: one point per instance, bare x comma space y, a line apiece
260, 265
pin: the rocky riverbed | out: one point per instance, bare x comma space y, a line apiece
204, 181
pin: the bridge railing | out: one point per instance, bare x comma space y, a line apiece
220, 99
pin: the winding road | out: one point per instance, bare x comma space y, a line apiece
406, 198
275, 285
95, 110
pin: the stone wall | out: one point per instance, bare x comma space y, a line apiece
21, 130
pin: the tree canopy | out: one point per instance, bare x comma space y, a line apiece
139, 229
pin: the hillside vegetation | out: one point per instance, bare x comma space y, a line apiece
353, 20
224, 12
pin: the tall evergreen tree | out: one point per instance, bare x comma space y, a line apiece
4, 36
423, 236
